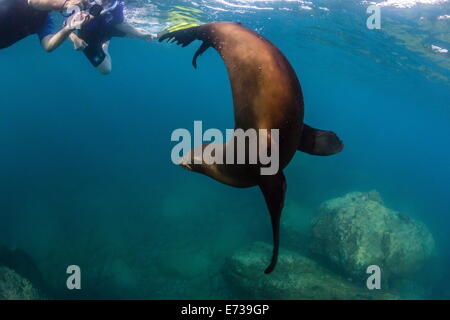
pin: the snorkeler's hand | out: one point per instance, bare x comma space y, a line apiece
79, 44
78, 20
149, 37
161, 33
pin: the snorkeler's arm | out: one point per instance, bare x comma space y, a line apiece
132, 32
56, 5
53, 41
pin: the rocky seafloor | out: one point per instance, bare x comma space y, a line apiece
330, 260
19, 277
327, 259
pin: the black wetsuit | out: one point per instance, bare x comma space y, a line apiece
18, 20
100, 30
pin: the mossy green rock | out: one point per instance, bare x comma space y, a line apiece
15, 287
357, 230
295, 277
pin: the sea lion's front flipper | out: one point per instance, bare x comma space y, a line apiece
274, 189
319, 142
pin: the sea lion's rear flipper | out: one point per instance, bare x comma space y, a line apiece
203, 48
274, 189
319, 142
184, 37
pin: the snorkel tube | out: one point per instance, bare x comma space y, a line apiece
111, 7
94, 7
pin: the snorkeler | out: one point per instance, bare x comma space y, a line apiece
106, 21
19, 20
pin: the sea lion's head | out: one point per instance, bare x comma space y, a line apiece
200, 159
193, 160
209, 159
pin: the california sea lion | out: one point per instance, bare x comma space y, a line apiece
266, 95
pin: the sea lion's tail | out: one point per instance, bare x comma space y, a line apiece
184, 38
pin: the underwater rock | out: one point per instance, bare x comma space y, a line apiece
15, 287
357, 230
24, 266
296, 277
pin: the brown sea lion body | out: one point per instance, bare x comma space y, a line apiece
266, 91
266, 95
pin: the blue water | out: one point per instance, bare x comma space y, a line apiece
85, 170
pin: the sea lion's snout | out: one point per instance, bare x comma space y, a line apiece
185, 162
193, 159
185, 165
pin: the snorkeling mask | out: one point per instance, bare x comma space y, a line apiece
96, 8
93, 7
